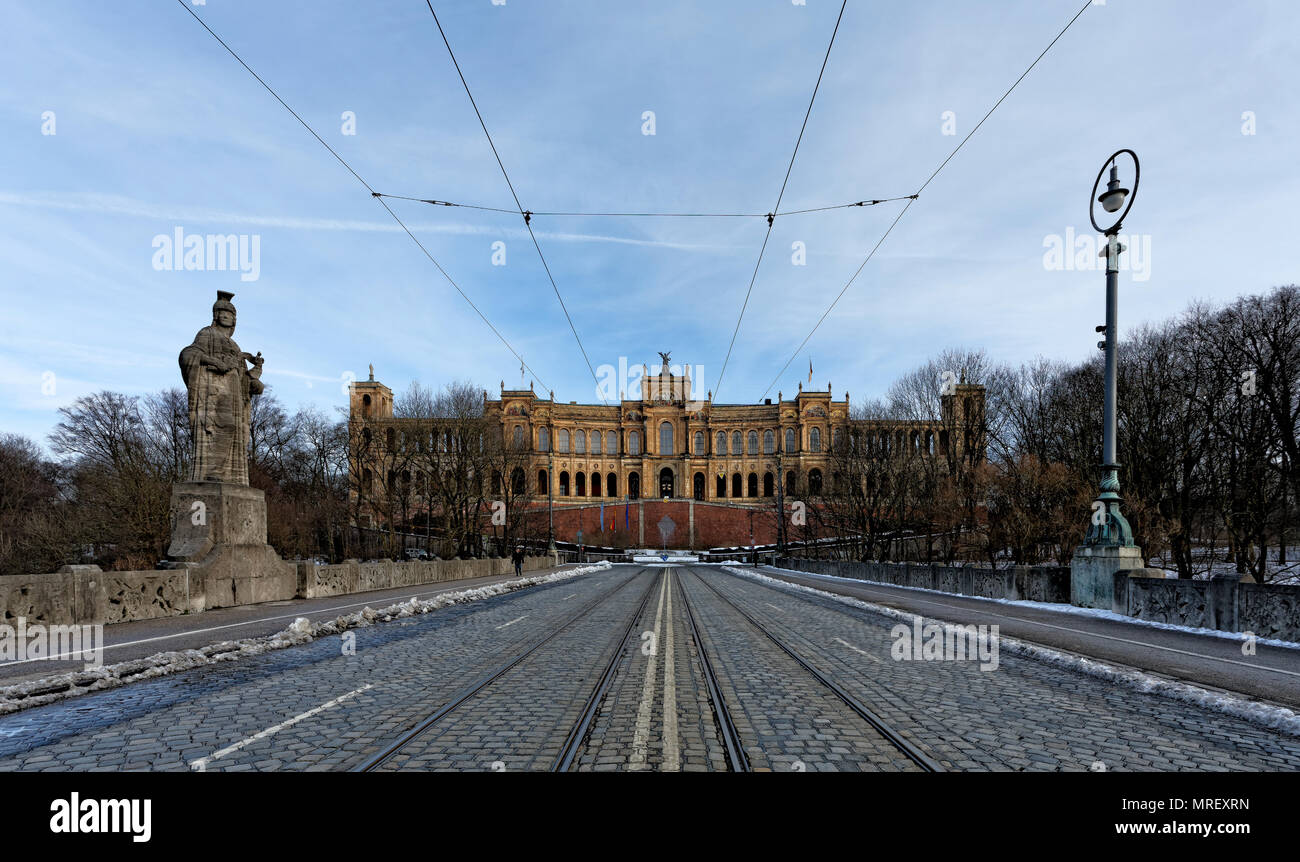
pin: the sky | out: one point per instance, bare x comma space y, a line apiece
122, 124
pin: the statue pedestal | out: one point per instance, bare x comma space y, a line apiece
219, 533
1092, 573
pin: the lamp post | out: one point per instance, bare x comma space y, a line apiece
1108, 546
550, 495
1108, 527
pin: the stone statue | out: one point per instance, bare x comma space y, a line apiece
664, 356
220, 389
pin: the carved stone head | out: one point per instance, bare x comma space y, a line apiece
223, 311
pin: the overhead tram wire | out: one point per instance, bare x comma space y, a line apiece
373, 193
771, 217
433, 202
527, 216
914, 197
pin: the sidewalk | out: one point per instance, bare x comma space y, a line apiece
1271, 675
140, 638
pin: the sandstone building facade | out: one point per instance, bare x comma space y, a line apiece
664, 445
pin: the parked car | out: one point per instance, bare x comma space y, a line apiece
417, 554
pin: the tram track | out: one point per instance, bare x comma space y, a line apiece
421, 730
881, 727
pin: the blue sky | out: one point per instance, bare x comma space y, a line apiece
156, 127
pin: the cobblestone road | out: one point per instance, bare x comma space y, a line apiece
512, 680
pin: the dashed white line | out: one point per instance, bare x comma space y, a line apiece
641, 736
512, 622
774, 607
856, 650
954, 608
566, 598
201, 764
672, 755
308, 612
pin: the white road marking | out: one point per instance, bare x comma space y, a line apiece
201, 764
641, 737
856, 650
512, 622
108, 647
566, 598
951, 609
774, 607
672, 755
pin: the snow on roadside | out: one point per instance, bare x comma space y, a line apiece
58, 687
1059, 608
1263, 715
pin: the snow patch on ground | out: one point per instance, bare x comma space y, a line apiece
1057, 607
58, 687
1263, 715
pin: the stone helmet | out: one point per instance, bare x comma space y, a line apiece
223, 303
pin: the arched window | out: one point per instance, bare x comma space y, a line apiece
595, 445
580, 484
769, 485
699, 443
789, 440
595, 484
543, 439
752, 489
365, 433
769, 442
698, 486
564, 483
737, 445
814, 482
611, 485
542, 484
815, 440
634, 485
737, 488
365, 401
390, 437
837, 439
722, 487
667, 488
562, 440
496, 481
789, 482
721, 446
580, 441
666, 438
633, 443
517, 482
752, 442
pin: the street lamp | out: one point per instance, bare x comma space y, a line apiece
550, 494
1108, 528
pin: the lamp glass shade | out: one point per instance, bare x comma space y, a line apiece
1113, 198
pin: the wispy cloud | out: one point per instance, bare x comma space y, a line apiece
124, 206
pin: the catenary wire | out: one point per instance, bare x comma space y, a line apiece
523, 212
913, 198
771, 219
373, 193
